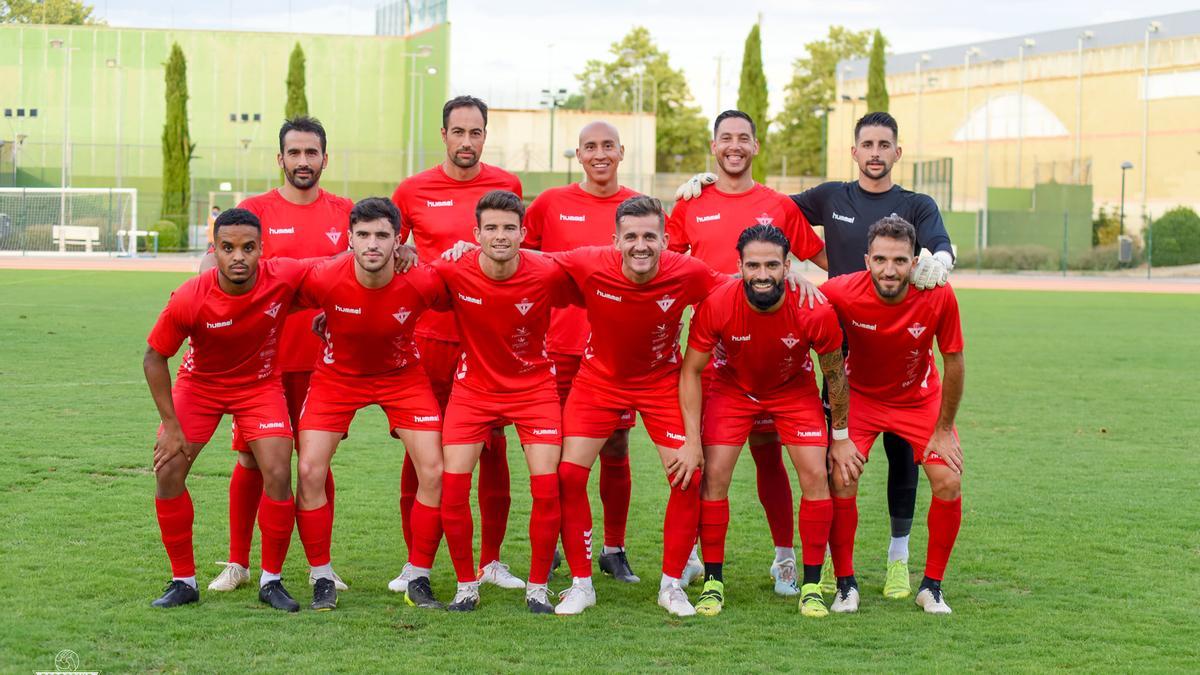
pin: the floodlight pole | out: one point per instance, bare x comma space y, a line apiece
973, 51
66, 148
1085, 35
1153, 27
1025, 44
422, 52
924, 58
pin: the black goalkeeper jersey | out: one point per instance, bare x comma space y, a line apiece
846, 211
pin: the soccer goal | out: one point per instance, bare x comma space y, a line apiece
68, 219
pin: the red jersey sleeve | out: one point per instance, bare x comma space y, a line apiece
426, 280
577, 263
826, 330
703, 335
706, 279
405, 219
563, 291
535, 223
515, 186
173, 325
949, 329
804, 239
676, 230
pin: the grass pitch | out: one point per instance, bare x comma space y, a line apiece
1079, 546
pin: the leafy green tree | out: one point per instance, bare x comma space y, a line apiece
297, 101
877, 95
798, 130
1175, 237
52, 12
611, 85
752, 96
177, 145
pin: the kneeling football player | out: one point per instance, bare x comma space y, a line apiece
232, 317
370, 358
765, 334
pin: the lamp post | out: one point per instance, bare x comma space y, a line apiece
1152, 27
971, 52
422, 52
66, 147
1125, 166
924, 58
569, 153
420, 136
1085, 35
552, 99
1027, 43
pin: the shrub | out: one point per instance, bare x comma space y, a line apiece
169, 235
1106, 227
1105, 257
1014, 258
1175, 238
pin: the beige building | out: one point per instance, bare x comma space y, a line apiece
1067, 106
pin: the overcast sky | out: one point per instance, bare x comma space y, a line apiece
507, 51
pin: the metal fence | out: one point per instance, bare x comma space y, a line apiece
72, 219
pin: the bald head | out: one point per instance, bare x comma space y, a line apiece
599, 153
599, 130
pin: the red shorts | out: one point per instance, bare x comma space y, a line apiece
565, 368
763, 424
259, 411
440, 359
471, 416
405, 397
730, 415
869, 418
594, 410
295, 388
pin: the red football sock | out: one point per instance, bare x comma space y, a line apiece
458, 524
408, 496
816, 520
427, 534
175, 517
714, 525
245, 489
329, 488
276, 518
615, 487
775, 491
545, 522
945, 517
841, 535
316, 531
576, 518
494, 498
680, 525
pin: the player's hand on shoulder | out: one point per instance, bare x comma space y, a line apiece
944, 443
459, 250
169, 443
318, 325
932, 270
693, 186
808, 290
406, 258
846, 464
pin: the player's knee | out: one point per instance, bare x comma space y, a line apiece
945, 484
170, 478
247, 460
311, 477
813, 478
843, 490
277, 481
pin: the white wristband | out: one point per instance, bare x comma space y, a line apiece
841, 434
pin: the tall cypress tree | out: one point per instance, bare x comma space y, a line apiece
297, 101
177, 144
877, 96
752, 96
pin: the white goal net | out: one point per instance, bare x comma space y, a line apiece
67, 219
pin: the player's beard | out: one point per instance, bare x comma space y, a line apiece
763, 300
303, 183
886, 293
867, 171
463, 162
746, 166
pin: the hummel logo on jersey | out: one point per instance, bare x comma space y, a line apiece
434, 205
425, 418
524, 306
867, 326
222, 324
844, 219
706, 219
665, 302
335, 235
348, 310
740, 338
790, 340
402, 315
608, 296
272, 425
573, 219
273, 310
281, 230
676, 437
915, 330
764, 219
467, 298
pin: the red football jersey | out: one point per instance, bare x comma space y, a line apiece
635, 327
709, 225
891, 346
764, 354
563, 219
233, 340
369, 331
315, 230
503, 323
439, 211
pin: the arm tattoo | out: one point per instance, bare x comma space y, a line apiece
837, 388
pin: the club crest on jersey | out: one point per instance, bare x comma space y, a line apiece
790, 340
915, 330
524, 306
402, 315
335, 235
273, 310
764, 219
664, 303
